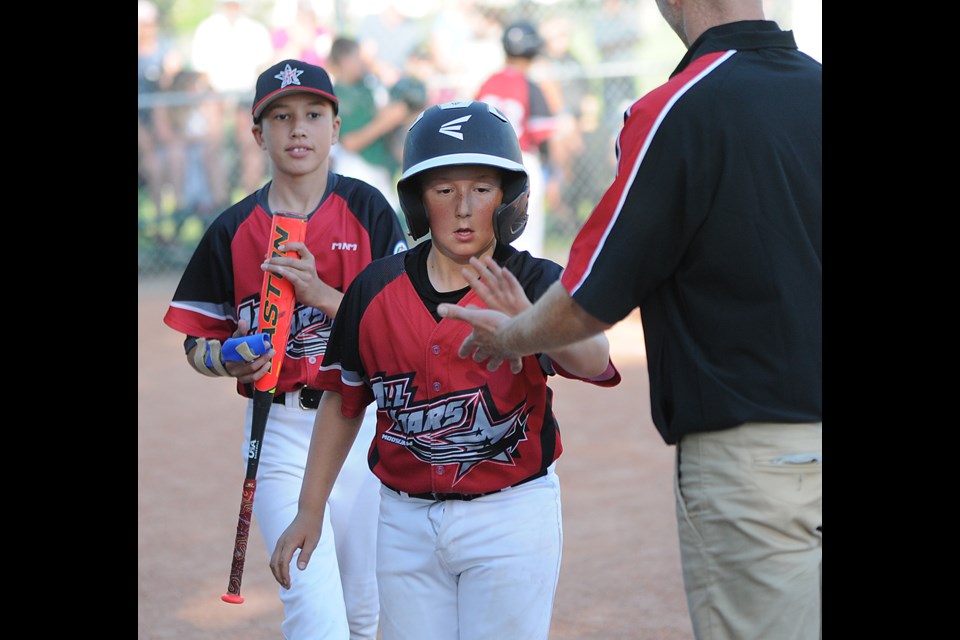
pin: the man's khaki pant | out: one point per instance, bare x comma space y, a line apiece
749, 516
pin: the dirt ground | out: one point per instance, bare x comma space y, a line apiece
620, 575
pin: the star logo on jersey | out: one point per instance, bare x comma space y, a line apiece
452, 128
309, 328
289, 76
464, 428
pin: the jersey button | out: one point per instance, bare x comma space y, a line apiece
440, 471
435, 349
436, 386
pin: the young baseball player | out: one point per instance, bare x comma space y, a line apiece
349, 224
470, 530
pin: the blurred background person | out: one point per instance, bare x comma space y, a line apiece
232, 48
616, 34
524, 103
386, 39
566, 88
195, 149
157, 62
465, 47
366, 149
303, 36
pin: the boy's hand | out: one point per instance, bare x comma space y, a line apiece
303, 534
248, 372
299, 267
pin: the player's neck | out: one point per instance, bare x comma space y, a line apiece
297, 194
444, 269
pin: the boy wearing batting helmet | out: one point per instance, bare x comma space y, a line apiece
349, 223
470, 534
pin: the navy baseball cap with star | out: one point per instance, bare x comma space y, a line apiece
291, 76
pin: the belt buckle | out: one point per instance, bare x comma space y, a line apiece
312, 396
300, 399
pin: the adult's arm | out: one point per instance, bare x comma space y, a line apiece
552, 323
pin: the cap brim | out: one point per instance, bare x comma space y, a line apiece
270, 97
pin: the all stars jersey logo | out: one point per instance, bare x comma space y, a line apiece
309, 328
463, 428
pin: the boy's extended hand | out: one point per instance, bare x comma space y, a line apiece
304, 534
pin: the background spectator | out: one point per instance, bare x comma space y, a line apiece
465, 47
232, 48
566, 88
386, 39
616, 32
365, 150
157, 62
523, 101
195, 149
303, 37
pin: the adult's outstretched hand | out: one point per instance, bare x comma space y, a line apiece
483, 343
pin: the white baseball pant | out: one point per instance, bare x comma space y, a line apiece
476, 570
336, 596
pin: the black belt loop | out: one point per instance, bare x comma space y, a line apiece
309, 398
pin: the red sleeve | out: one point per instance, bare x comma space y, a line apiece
356, 397
609, 378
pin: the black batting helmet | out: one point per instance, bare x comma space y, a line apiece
457, 133
521, 39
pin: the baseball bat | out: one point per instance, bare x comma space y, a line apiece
276, 312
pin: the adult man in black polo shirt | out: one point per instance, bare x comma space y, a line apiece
713, 228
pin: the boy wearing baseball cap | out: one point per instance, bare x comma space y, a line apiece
349, 223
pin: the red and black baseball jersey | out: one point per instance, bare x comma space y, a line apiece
445, 424
524, 104
352, 225
713, 228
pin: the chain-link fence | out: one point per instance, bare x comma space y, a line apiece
194, 145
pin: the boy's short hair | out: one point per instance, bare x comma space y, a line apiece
342, 48
292, 76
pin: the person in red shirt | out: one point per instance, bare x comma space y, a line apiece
523, 101
470, 533
349, 223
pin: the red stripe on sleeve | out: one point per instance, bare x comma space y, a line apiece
641, 123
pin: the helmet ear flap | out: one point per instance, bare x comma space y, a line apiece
411, 203
511, 217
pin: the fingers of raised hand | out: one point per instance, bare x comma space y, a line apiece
467, 347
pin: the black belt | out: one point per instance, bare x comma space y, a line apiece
309, 398
460, 496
